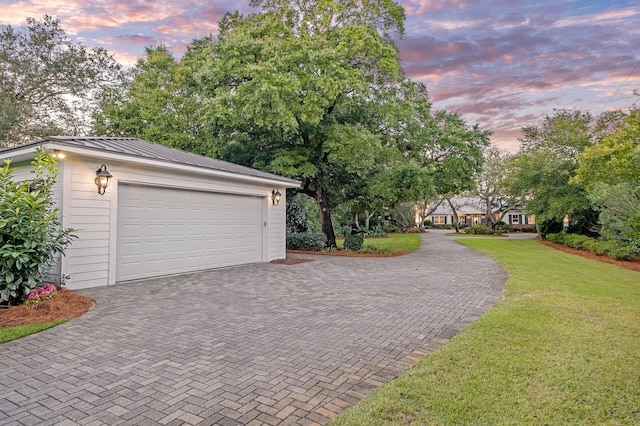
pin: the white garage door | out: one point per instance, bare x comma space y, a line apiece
167, 231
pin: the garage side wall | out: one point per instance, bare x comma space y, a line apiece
277, 228
91, 259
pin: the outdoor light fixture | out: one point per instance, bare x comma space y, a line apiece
59, 155
103, 177
275, 197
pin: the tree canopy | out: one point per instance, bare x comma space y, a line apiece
310, 90
46, 81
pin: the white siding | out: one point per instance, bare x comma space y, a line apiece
87, 260
277, 227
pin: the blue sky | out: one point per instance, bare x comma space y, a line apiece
500, 63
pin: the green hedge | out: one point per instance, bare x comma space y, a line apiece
615, 249
479, 230
314, 241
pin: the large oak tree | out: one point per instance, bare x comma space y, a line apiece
288, 90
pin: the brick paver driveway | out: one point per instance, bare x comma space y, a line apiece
257, 344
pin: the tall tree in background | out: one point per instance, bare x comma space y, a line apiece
157, 100
544, 168
492, 188
47, 81
610, 171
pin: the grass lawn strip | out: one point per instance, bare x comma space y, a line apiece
561, 348
395, 243
12, 333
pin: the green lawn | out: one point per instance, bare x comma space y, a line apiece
561, 348
12, 333
405, 243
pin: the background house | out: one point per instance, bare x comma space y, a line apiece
518, 218
471, 211
165, 211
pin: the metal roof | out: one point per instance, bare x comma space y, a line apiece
139, 148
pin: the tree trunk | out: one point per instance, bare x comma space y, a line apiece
367, 218
356, 220
325, 207
455, 216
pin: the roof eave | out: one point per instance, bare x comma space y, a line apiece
26, 152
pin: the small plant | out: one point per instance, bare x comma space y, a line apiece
39, 294
353, 242
369, 249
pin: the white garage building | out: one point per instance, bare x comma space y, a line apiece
165, 211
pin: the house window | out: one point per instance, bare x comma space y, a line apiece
515, 219
462, 220
439, 220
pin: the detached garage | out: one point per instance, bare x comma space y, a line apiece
164, 211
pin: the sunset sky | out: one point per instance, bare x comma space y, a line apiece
500, 63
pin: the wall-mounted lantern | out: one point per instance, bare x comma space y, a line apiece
103, 177
275, 197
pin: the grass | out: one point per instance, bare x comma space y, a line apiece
561, 348
12, 333
395, 243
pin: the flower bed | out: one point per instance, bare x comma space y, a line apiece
39, 294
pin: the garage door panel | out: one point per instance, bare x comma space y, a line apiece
166, 231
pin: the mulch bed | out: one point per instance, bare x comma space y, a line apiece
290, 261
64, 305
629, 264
346, 253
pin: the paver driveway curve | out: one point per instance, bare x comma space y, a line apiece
257, 344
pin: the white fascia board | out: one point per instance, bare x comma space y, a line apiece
19, 155
28, 153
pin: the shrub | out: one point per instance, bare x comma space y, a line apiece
375, 232
546, 227
297, 216
30, 230
478, 230
502, 227
575, 240
618, 250
342, 231
314, 241
353, 242
555, 238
